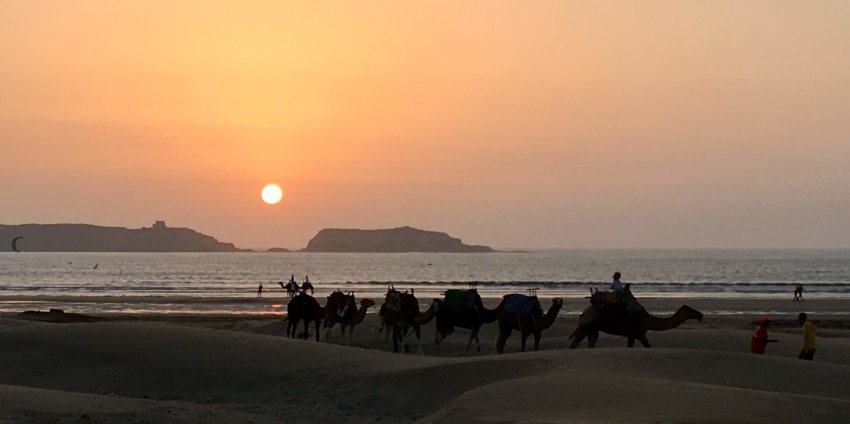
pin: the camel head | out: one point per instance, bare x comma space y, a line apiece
437, 302
367, 303
557, 302
690, 313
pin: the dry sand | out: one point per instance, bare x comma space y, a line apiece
240, 369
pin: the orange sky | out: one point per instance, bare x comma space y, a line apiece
513, 124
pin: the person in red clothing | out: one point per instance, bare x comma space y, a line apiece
760, 340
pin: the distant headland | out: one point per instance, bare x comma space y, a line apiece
93, 238
403, 239
161, 238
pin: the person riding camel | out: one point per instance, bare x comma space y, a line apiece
306, 286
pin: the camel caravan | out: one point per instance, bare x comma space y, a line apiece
616, 312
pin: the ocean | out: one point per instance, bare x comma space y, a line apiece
227, 282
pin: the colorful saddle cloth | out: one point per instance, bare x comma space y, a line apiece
457, 300
519, 304
622, 303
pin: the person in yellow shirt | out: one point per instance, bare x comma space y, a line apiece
808, 351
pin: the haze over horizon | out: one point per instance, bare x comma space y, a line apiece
656, 124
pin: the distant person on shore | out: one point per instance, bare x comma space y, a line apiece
760, 340
798, 292
260, 291
808, 351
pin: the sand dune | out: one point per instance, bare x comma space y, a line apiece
242, 370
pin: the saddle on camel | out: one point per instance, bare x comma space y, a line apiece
400, 313
342, 308
340, 305
525, 314
622, 302
464, 309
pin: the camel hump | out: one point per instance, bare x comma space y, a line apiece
455, 300
520, 304
393, 301
623, 303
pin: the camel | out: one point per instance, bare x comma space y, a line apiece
291, 288
342, 308
527, 318
632, 326
464, 309
303, 307
400, 312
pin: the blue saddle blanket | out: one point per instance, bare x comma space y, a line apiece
519, 304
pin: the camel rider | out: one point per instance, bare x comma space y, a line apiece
616, 285
616, 294
621, 295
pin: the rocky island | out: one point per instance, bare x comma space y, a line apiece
403, 239
93, 238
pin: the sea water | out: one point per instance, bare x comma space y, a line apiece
228, 282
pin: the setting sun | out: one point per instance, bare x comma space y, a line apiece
272, 194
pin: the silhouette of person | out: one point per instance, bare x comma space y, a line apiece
809, 345
616, 285
759, 341
260, 291
307, 286
798, 292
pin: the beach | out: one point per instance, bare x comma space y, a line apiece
241, 368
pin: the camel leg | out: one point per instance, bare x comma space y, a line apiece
592, 337
398, 337
328, 327
577, 337
380, 328
477, 342
417, 332
473, 336
536, 341
524, 339
644, 341
318, 324
631, 342
504, 333
438, 337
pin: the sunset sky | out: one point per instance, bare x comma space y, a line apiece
546, 124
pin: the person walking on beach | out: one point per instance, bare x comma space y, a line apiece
760, 340
260, 291
798, 292
808, 351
